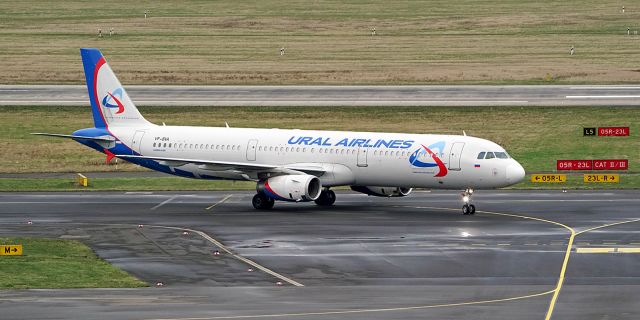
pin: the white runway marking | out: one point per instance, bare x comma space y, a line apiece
604, 97
606, 88
219, 202
164, 202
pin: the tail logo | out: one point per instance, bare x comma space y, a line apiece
114, 97
419, 158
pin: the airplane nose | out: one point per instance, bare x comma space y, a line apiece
515, 173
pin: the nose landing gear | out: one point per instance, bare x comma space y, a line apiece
467, 208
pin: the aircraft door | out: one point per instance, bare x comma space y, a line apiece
251, 149
137, 141
455, 155
362, 157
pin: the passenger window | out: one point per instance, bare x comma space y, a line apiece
481, 155
489, 155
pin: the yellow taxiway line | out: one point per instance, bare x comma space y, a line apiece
219, 202
343, 312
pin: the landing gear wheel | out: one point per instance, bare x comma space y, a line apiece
466, 210
472, 209
326, 198
262, 202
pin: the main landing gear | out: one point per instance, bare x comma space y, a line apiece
468, 208
261, 202
327, 198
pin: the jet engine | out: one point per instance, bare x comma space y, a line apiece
383, 191
301, 187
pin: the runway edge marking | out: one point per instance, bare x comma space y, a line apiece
236, 256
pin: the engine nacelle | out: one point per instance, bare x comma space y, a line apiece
301, 187
383, 191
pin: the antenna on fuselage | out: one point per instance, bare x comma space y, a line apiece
464, 133
226, 124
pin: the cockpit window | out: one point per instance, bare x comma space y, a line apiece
502, 155
481, 155
489, 155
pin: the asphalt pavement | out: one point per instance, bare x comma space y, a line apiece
524, 254
416, 95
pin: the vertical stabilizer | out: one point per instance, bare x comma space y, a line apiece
110, 103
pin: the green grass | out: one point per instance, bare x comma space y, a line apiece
59, 264
122, 184
230, 42
575, 181
177, 184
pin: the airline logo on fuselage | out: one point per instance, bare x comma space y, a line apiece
351, 142
112, 100
424, 157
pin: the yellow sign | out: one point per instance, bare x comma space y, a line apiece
606, 178
11, 250
82, 180
548, 178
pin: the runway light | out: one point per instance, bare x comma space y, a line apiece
465, 234
279, 283
465, 198
29, 222
250, 270
185, 233
216, 253
140, 226
159, 284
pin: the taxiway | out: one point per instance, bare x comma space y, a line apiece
365, 258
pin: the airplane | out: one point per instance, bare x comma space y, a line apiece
289, 165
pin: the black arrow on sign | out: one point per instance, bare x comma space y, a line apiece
14, 249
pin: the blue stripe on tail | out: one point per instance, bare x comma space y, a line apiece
90, 58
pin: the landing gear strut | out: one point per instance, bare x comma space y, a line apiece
327, 198
261, 202
468, 208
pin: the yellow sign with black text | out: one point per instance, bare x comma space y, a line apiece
601, 178
536, 178
11, 250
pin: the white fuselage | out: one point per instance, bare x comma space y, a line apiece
347, 158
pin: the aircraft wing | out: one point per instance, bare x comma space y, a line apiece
246, 167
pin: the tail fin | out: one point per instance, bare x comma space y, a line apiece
110, 103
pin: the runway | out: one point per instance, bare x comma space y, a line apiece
319, 96
525, 255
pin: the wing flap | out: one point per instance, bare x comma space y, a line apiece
230, 165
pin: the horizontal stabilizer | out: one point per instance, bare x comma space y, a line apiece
69, 136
